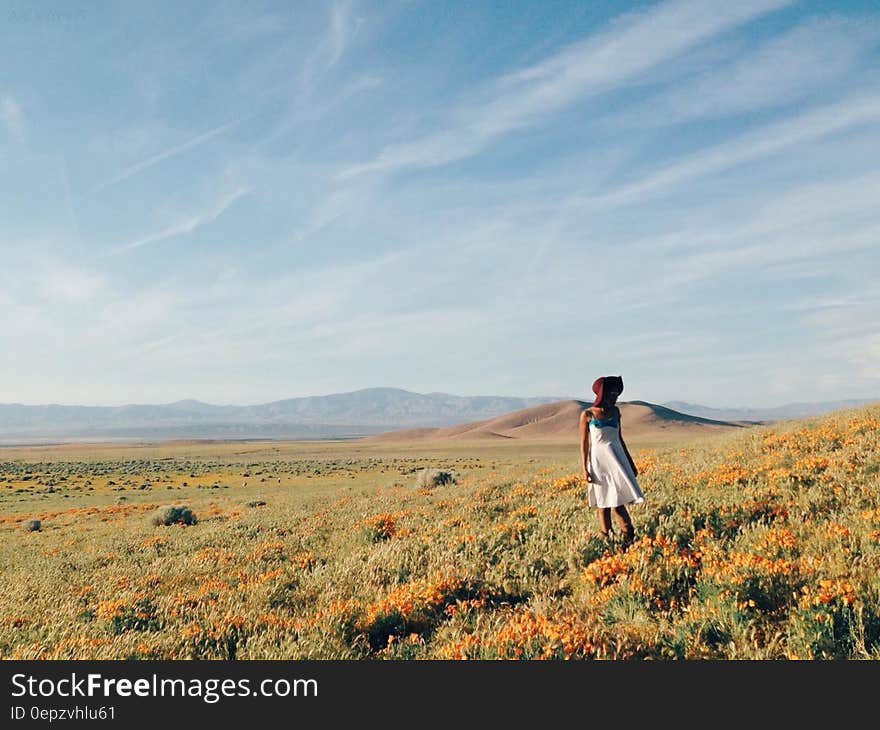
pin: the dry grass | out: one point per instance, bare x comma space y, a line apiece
757, 544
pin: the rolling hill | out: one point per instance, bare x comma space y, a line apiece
558, 421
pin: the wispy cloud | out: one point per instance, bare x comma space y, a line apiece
784, 69
12, 116
340, 28
187, 225
44, 296
866, 355
69, 283
849, 317
166, 154
340, 202
682, 171
764, 142
332, 45
47, 280
635, 43
823, 210
846, 330
759, 144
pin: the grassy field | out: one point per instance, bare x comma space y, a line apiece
758, 544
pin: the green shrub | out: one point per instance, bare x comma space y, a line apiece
429, 478
173, 515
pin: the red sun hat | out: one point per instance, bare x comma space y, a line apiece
599, 386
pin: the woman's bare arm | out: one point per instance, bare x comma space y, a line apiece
623, 443
585, 442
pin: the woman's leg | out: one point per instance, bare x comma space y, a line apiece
605, 520
626, 525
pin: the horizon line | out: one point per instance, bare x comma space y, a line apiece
548, 398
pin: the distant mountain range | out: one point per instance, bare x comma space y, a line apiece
340, 415
790, 410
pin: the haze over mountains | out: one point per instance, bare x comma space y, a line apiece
789, 410
348, 415
340, 415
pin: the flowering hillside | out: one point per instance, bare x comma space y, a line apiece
763, 544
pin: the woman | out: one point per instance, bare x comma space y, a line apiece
608, 467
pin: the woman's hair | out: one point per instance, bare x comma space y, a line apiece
606, 382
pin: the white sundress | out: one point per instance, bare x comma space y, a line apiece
612, 480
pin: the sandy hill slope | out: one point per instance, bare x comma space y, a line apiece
559, 422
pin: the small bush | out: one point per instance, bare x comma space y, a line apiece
428, 478
173, 515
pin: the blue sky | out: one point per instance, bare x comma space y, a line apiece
242, 202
